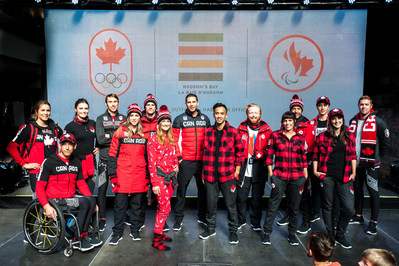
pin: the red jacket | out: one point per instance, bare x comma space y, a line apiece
323, 148
289, 155
260, 142
58, 180
188, 132
162, 156
127, 162
149, 125
310, 133
33, 143
231, 154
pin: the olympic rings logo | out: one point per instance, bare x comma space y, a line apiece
111, 79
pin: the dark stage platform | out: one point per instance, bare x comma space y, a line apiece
187, 248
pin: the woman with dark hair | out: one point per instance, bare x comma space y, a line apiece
334, 162
163, 166
288, 176
83, 129
35, 141
127, 172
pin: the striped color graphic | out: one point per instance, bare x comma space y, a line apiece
201, 50
200, 56
200, 76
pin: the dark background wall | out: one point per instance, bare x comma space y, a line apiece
23, 70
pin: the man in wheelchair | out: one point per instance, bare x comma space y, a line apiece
59, 176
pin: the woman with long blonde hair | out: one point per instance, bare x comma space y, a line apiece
163, 166
127, 173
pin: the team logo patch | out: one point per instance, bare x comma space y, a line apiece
184, 117
244, 137
92, 129
273, 185
202, 117
386, 133
105, 118
301, 190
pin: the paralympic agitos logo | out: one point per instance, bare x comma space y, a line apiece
110, 62
295, 63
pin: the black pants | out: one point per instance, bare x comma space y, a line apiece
255, 202
292, 190
332, 186
103, 180
188, 169
316, 193
230, 199
87, 204
90, 183
122, 202
32, 181
370, 177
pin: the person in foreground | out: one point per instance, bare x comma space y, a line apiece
59, 176
163, 166
321, 248
377, 257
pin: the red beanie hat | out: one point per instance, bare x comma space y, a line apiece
134, 108
150, 98
296, 101
163, 113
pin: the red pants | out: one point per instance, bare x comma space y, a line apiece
163, 208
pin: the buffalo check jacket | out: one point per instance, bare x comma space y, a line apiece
323, 148
231, 154
289, 155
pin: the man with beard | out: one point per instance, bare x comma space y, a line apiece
254, 136
188, 131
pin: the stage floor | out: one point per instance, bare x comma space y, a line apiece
188, 249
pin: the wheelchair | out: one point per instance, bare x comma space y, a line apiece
46, 234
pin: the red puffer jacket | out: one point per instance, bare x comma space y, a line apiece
127, 162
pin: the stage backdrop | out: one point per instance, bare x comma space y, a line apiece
233, 57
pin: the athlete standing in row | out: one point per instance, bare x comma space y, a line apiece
35, 141
106, 125
188, 131
255, 135
163, 166
127, 167
372, 141
83, 129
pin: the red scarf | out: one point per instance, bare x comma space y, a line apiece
81, 122
369, 138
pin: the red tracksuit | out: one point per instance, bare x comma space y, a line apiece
165, 158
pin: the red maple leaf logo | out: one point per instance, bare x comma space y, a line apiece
300, 64
110, 55
367, 151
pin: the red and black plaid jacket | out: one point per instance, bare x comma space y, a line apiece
231, 153
290, 155
323, 148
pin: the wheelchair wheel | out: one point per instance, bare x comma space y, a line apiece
68, 252
41, 232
